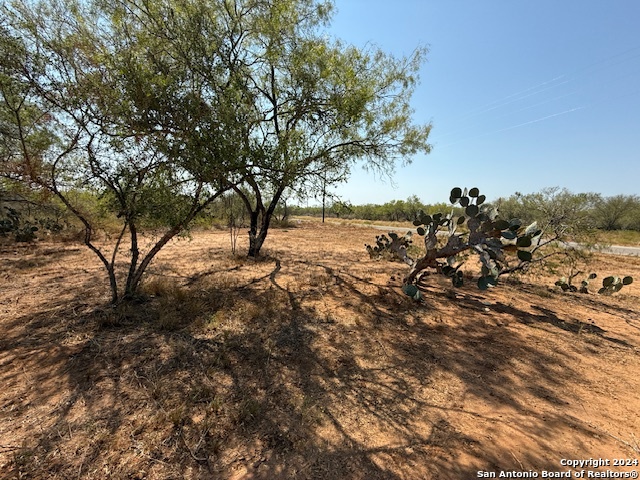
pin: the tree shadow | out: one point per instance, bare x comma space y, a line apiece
283, 394
28, 256
546, 316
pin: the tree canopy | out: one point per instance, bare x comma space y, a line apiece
311, 106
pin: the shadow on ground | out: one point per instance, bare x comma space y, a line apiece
260, 385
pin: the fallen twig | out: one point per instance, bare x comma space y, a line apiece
9, 447
635, 447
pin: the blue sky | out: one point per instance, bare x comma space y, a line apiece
522, 94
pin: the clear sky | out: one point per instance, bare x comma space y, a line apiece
522, 94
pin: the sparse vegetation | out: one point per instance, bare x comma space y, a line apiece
393, 211
14, 225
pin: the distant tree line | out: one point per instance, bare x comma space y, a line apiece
569, 211
581, 210
26, 214
394, 211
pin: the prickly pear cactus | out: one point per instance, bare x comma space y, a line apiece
392, 247
611, 285
487, 235
502, 245
566, 285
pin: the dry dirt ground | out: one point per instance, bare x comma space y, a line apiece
308, 364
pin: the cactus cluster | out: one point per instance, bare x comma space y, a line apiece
566, 285
486, 234
610, 285
392, 247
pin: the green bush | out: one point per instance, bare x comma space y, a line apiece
14, 225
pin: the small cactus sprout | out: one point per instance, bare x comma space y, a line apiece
611, 285
564, 284
584, 285
487, 282
412, 291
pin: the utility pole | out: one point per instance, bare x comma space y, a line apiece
324, 193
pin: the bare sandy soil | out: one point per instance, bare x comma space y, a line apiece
308, 364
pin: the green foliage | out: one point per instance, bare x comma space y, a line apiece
618, 212
341, 209
562, 217
26, 215
392, 211
557, 211
13, 224
25, 125
140, 138
142, 114
312, 105
574, 215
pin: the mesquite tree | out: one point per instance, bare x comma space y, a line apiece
503, 246
128, 121
311, 105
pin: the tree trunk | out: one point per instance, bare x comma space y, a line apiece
324, 195
419, 266
323, 208
257, 237
136, 278
255, 243
254, 248
131, 286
